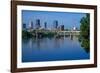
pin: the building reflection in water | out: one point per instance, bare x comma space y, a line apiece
45, 43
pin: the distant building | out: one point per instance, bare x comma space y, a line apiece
37, 24
31, 25
62, 27
45, 25
24, 26
55, 23
74, 28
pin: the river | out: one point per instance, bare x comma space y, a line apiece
53, 49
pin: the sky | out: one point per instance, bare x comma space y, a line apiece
68, 19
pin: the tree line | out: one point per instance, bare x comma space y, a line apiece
85, 33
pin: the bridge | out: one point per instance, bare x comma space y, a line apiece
68, 33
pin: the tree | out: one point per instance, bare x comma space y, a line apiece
26, 34
85, 32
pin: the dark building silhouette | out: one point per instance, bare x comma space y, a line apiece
62, 27
38, 24
45, 25
31, 25
55, 24
24, 26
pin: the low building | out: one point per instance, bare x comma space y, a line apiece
74, 28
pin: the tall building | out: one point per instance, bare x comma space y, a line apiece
37, 24
31, 25
45, 25
24, 26
62, 27
55, 24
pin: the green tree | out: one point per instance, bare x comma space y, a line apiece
26, 34
85, 32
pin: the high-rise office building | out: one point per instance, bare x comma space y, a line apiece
55, 23
37, 24
62, 27
31, 25
45, 25
24, 26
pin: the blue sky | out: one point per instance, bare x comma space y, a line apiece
68, 19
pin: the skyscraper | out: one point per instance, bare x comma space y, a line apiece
31, 25
62, 27
45, 25
37, 24
24, 26
55, 24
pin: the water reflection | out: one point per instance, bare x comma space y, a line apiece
51, 49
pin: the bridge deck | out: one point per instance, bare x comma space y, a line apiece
68, 33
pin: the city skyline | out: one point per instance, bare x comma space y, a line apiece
68, 19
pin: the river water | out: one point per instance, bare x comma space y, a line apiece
52, 49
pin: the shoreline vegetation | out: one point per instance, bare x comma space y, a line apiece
36, 33
47, 34
85, 33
